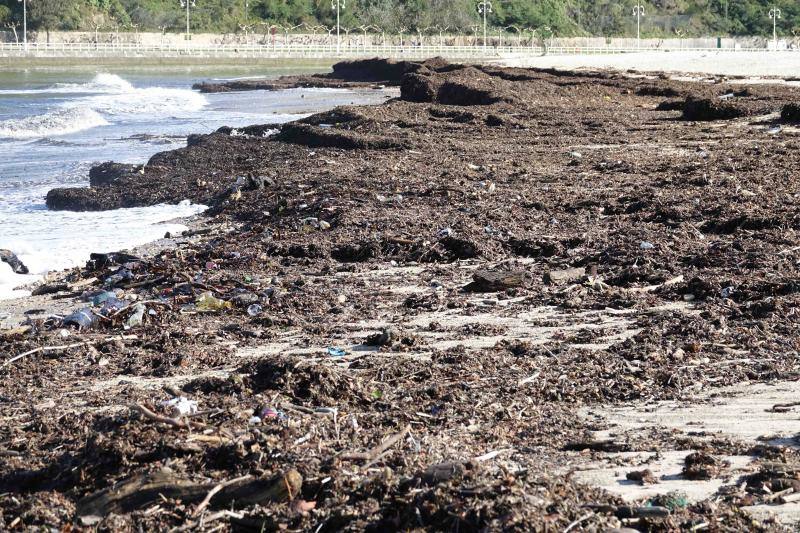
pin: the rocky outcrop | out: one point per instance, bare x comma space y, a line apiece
109, 172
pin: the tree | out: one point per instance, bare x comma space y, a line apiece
52, 15
7, 21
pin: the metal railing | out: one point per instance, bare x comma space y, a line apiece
276, 49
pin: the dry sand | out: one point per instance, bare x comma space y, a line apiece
781, 64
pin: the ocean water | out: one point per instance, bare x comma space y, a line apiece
54, 125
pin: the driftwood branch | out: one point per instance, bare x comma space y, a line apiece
48, 349
374, 453
143, 490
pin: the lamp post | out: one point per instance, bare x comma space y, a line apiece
24, 23
775, 14
484, 8
187, 4
337, 5
638, 12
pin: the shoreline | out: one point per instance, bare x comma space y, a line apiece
148, 62
13, 310
468, 297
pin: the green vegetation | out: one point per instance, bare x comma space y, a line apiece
566, 17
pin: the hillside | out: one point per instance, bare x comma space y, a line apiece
566, 17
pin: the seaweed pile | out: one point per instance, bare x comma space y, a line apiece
389, 314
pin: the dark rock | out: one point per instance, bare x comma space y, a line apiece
7, 256
80, 199
107, 173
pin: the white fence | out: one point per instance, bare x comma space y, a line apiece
277, 49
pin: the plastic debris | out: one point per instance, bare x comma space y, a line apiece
82, 318
102, 297
122, 274
255, 310
209, 302
180, 406
137, 317
444, 232
647, 245
336, 352
269, 412
727, 292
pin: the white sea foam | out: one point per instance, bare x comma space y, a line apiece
54, 240
59, 122
107, 96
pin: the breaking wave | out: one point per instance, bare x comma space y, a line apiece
107, 96
59, 122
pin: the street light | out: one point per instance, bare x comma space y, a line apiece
337, 5
187, 4
775, 14
484, 8
24, 23
638, 12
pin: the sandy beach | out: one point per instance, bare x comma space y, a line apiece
503, 299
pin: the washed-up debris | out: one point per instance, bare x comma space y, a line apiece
10, 258
673, 500
82, 318
207, 302
143, 490
50, 288
566, 275
701, 465
180, 406
472, 376
494, 281
137, 317
385, 338
642, 477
